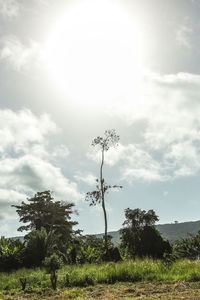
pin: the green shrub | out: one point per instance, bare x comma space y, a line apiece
52, 264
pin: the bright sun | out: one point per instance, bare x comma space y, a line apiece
95, 52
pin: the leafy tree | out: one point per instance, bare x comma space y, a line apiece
98, 195
10, 254
87, 248
140, 237
92, 249
152, 243
42, 212
86, 254
39, 244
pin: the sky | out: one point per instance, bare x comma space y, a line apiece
69, 70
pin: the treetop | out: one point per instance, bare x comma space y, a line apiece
111, 138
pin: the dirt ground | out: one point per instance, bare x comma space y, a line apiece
164, 291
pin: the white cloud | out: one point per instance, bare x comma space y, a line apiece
135, 163
8, 215
144, 174
29, 174
169, 142
26, 163
174, 118
19, 56
9, 8
60, 152
138, 164
89, 178
9, 197
185, 158
23, 132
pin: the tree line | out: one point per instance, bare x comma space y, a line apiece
51, 231
52, 239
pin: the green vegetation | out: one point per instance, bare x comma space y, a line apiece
42, 211
139, 237
105, 273
81, 261
188, 247
10, 254
52, 264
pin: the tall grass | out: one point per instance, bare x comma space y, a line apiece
91, 274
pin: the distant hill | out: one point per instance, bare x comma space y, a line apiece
176, 231
171, 232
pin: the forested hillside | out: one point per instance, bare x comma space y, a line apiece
172, 232
176, 231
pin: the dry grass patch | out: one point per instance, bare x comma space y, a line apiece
137, 291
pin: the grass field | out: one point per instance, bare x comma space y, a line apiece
139, 278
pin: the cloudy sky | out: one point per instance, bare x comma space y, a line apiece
69, 70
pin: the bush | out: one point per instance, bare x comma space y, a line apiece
52, 264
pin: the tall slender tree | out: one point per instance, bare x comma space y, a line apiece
109, 139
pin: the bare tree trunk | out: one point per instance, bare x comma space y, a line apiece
103, 202
106, 226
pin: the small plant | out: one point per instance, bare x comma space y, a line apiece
23, 283
52, 264
67, 279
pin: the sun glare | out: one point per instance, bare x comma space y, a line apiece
95, 52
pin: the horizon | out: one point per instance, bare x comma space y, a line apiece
110, 231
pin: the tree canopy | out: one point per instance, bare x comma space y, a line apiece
139, 235
42, 212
